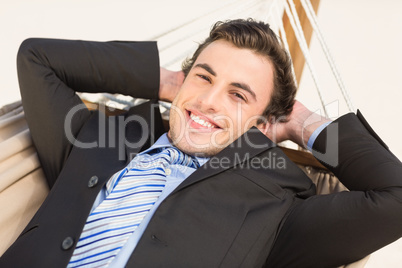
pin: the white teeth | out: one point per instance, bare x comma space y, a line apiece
201, 121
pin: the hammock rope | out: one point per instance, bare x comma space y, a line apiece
291, 12
314, 23
180, 41
240, 9
247, 9
281, 30
156, 37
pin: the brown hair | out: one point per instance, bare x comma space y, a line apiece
258, 37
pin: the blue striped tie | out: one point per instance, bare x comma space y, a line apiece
131, 193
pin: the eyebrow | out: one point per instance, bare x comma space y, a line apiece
244, 87
240, 85
206, 67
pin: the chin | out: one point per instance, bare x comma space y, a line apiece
196, 145
204, 152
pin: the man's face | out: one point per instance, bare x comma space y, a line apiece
223, 95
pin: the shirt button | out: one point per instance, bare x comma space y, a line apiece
93, 181
68, 242
168, 171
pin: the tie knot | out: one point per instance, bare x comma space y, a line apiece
177, 157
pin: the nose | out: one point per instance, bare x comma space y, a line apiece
211, 99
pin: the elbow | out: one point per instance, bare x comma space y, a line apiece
27, 58
391, 199
26, 52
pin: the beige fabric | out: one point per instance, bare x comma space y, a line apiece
22, 184
23, 187
325, 181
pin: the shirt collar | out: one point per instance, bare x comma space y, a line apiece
163, 141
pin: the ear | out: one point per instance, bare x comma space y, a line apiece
264, 127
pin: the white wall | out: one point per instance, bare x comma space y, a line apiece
365, 38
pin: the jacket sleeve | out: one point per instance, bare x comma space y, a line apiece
336, 229
51, 71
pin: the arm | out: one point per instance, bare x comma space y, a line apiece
335, 229
51, 71
300, 124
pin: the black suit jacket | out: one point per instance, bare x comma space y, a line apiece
245, 213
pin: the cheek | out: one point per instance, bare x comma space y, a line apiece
180, 98
247, 119
184, 94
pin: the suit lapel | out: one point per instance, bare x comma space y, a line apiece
250, 144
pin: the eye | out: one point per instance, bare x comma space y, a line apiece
239, 96
204, 77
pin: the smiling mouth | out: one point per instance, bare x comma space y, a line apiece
201, 122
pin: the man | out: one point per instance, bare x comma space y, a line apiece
223, 208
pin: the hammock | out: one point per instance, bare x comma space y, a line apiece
22, 184
292, 20
23, 187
